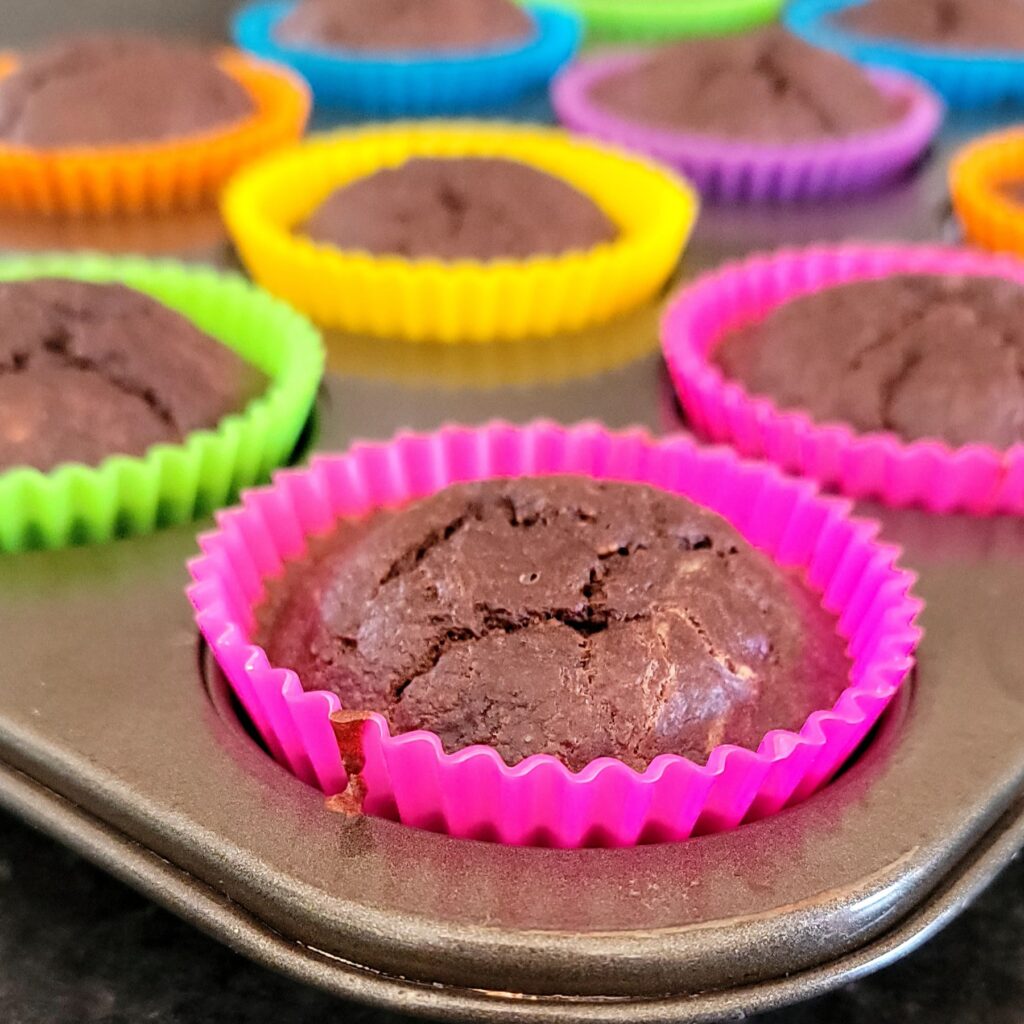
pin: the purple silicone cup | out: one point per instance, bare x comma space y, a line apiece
740, 172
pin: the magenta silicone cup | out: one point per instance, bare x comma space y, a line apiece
733, 171
472, 793
932, 474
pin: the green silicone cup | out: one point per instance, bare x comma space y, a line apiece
171, 483
650, 20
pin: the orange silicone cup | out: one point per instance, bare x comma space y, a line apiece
179, 174
991, 218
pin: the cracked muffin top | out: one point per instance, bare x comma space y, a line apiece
91, 370
481, 208
766, 87
109, 90
963, 24
923, 356
405, 25
557, 615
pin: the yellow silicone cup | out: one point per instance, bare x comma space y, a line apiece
177, 175
419, 300
978, 177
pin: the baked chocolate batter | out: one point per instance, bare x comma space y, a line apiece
925, 356
765, 86
966, 24
478, 208
91, 370
405, 25
558, 615
117, 90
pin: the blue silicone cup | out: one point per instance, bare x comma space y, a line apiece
417, 84
966, 79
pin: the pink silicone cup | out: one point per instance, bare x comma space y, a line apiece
932, 474
472, 792
730, 171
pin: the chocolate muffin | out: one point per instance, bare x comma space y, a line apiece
557, 615
766, 87
923, 356
952, 24
476, 208
405, 25
91, 370
117, 90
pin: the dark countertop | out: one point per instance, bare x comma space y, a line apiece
78, 947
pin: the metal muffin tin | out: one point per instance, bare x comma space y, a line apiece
118, 736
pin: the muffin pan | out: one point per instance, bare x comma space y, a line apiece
119, 738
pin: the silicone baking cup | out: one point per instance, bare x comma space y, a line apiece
179, 174
978, 176
465, 300
667, 19
973, 478
124, 495
472, 793
417, 84
734, 171
965, 78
